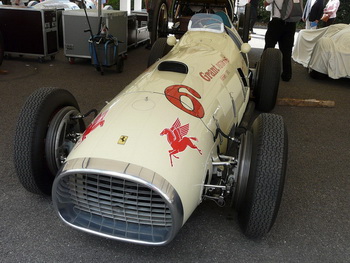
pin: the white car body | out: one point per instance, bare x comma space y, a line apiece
137, 151
177, 135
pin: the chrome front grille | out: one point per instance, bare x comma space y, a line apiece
114, 206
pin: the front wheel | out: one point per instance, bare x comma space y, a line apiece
259, 207
45, 134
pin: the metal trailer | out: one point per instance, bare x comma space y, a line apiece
29, 32
137, 28
76, 38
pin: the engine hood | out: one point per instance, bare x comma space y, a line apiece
135, 129
127, 171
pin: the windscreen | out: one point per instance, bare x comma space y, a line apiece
206, 22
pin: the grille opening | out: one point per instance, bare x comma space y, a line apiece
114, 206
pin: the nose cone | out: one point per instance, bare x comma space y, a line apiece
117, 200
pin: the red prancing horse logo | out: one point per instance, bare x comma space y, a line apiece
177, 140
99, 121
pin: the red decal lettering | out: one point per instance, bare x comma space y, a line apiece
98, 121
173, 94
214, 69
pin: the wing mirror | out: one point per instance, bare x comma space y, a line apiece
171, 41
245, 48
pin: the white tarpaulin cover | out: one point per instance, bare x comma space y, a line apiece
325, 50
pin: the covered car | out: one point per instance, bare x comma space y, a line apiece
178, 135
325, 50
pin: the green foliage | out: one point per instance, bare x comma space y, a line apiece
114, 4
263, 15
343, 14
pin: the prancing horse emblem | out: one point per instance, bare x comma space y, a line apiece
177, 140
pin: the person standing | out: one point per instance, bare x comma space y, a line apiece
330, 12
312, 13
281, 32
253, 14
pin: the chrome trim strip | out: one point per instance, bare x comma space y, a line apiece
129, 172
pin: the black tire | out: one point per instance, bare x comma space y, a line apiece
120, 64
60, 28
36, 128
268, 74
240, 24
317, 75
2, 48
244, 160
246, 23
158, 20
266, 176
159, 49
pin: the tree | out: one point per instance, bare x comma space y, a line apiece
343, 14
114, 4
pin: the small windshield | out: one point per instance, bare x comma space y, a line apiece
206, 22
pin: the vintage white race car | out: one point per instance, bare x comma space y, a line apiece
177, 135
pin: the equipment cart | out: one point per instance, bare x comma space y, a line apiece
104, 52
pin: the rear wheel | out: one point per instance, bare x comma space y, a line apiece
246, 23
243, 23
159, 50
120, 64
268, 78
159, 21
2, 48
44, 136
259, 207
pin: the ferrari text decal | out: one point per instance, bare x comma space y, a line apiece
177, 139
214, 69
173, 94
98, 121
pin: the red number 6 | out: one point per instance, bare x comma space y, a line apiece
173, 94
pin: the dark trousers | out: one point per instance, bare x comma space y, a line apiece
328, 23
253, 15
281, 32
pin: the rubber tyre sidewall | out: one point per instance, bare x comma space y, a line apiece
29, 142
154, 34
268, 74
120, 64
246, 23
266, 177
159, 49
2, 48
317, 75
